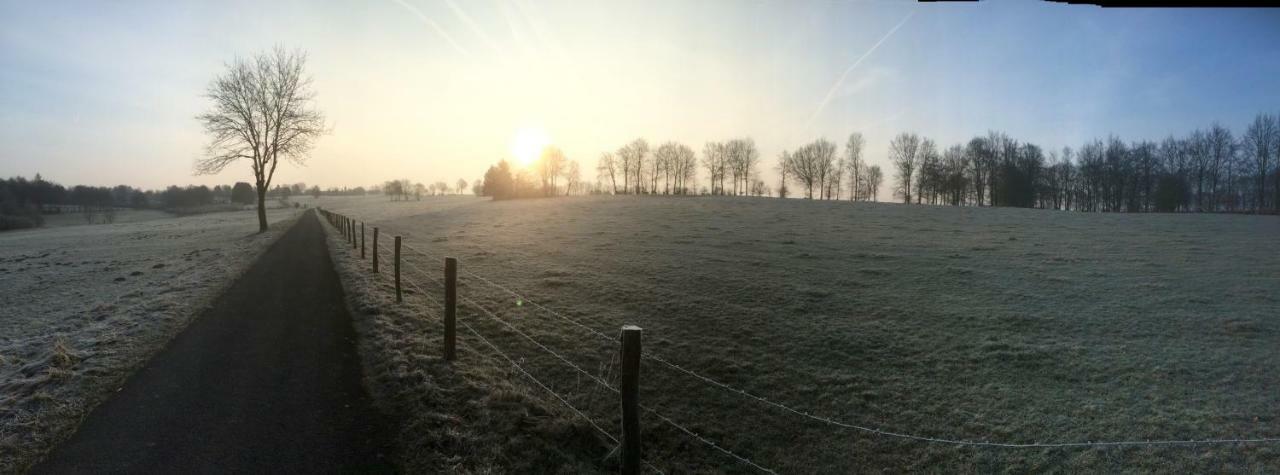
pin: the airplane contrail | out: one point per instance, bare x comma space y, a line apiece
840, 82
475, 28
434, 26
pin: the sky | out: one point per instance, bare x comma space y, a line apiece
106, 92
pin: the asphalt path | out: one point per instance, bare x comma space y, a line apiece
267, 380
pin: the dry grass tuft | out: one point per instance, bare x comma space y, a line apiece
63, 356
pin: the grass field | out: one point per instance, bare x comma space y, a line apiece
1002, 325
81, 306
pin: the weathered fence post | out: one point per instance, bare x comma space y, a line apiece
375, 249
629, 388
397, 267
362, 239
354, 242
450, 307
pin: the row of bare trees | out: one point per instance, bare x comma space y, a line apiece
1205, 170
551, 175
672, 168
820, 168
553, 168
403, 189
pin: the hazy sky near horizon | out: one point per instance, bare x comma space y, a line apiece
106, 93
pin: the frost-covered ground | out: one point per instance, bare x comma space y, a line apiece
1002, 325
82, 306
122, 216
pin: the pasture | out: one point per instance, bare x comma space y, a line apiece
982, 325
83, 306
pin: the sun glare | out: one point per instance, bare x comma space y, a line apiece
528, 144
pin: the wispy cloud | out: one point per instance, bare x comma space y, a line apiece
434, 26
840, 82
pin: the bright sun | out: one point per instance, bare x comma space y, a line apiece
528, 144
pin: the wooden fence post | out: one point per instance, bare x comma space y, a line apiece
629, 388
450, 307
354, 242
362, 239
375, 249
397, 267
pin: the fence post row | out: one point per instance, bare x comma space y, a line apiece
629, 371
629, 389
397, 267
450, 307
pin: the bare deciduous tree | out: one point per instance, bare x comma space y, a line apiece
854, 163
874, 178
572, 175
713, 158
632, 159
262, 111
903, 152
550, 166
810, 164
1259, 141
607, 166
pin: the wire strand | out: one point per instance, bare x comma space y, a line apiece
593, 377
539, 383
804, 414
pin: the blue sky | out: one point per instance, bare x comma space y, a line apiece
105, 92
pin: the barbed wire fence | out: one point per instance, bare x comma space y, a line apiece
337, 220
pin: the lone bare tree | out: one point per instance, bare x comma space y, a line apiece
854, 163
903, 153
261, 111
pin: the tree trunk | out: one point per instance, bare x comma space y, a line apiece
262, 210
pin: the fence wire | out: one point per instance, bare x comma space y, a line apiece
613, 389
768, 402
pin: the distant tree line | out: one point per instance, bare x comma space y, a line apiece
551, 175
819, 168
404, 189
23, 202
1205, 170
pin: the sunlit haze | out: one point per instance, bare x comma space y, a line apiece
105, 93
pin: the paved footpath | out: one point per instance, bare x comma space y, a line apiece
267, 380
